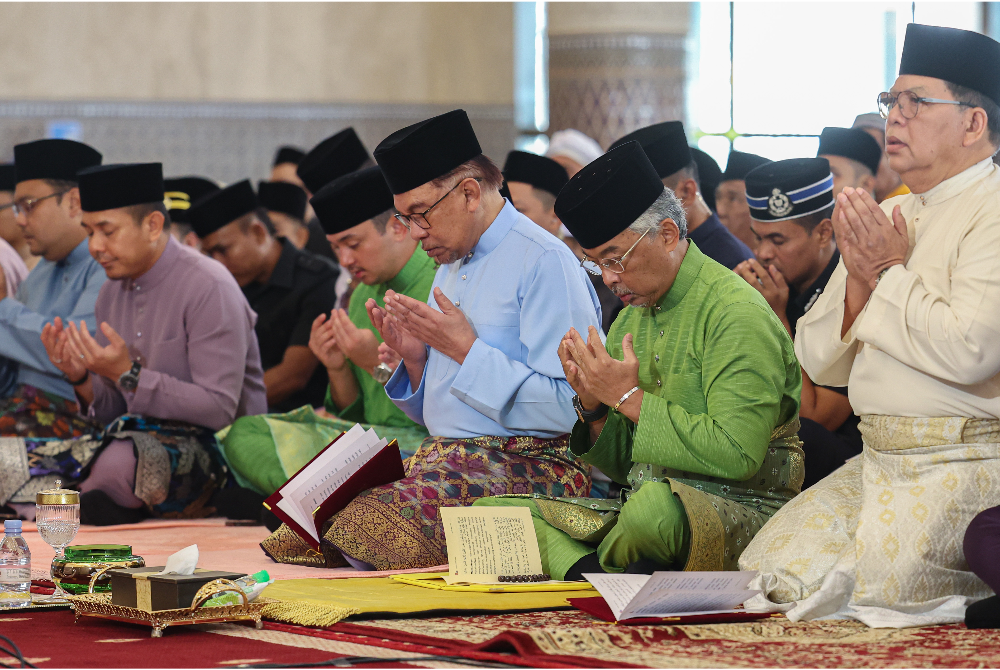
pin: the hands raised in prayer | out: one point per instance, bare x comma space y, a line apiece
55, 338
769, 281
868, 241
323, 344
596, 376
447, 331
395, 337
388, 355
111, 361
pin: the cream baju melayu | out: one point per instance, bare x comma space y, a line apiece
880, 539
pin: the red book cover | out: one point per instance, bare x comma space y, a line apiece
384, 468
598, 607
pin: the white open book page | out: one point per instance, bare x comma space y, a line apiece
485, 542
666, 594
317, 481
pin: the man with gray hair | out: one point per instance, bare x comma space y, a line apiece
692, 406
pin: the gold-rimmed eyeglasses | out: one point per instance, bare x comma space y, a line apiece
419, 219
616, 265
25, 206
909, 103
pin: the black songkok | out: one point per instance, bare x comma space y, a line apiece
284, 197
180, 194
961, 57
352, 200
332, 158
541, 172
427, 150
789, 189
665, 144
288, 154
607, 196
223, 207
852, 143
709, 175
8, 177
121, 185
740, 164
53, 159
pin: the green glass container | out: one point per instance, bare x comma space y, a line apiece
74, 570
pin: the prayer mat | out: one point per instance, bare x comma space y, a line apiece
31, 412
264, 451
320, 602
50, 639
580, 640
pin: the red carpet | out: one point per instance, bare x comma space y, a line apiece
50, 639
575, 639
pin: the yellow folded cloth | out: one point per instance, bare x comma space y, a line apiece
324, 602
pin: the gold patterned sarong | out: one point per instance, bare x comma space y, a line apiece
882, 536
724, 515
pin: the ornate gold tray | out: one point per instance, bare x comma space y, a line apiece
99, 605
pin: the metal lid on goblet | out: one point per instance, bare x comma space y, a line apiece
57, 496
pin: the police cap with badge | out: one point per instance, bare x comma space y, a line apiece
789, 189
181, 193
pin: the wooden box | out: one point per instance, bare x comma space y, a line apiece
143, 589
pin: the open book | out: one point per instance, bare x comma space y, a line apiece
354, 462
485, 543
669, 594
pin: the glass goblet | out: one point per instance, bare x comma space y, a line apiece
57, 516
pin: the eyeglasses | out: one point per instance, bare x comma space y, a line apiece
909, 103
25, 206
616, 265
420, 218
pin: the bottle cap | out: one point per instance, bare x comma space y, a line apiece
11, 525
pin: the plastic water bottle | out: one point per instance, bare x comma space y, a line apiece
15, 567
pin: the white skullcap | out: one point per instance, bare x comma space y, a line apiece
574, 145
870, 120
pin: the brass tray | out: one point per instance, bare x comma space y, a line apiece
99, 605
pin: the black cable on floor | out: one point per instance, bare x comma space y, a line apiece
351, 661
15, 652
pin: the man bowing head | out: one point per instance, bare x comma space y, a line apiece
479, 368
693, 405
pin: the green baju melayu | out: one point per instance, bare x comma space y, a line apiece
715, 452
264, 451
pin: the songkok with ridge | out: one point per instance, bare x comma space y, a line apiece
789, 189
332, 158
740, 163
352, 200
852, 143
665, 144
960, 56
288, 154
283, 197
120, 185
427, 150
53, 159
8, 177
607, 196
223, 207
870, 120
181, 193
541, 172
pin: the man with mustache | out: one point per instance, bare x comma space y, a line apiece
911, 318
693, 404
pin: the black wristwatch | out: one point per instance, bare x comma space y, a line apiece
129, 381
589, 416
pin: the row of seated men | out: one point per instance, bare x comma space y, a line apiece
473, 334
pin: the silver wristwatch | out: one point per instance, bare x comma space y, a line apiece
129, 381
382, 373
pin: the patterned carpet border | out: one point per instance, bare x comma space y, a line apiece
575, 639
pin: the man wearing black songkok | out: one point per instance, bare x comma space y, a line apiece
286, 286
179, 195
666, 146
286, 206
731, 196
854, 157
